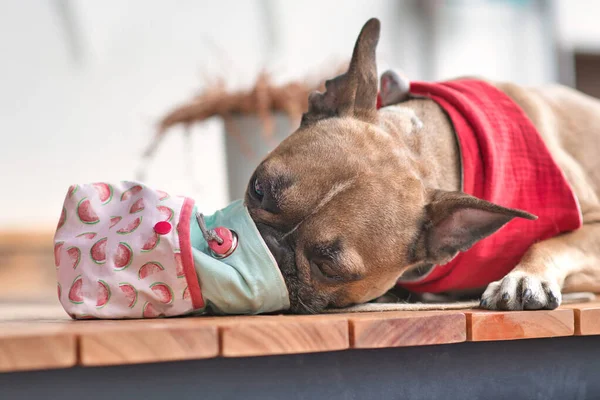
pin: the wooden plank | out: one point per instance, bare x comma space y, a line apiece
27, 276
511, 325
143, 341
133, 342
27, 266
26, 240
33, 312
588, 321
36, 346
413, 328
587, 318
269, 335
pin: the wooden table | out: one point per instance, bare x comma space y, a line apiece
367, 355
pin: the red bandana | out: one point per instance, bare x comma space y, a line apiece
504, 161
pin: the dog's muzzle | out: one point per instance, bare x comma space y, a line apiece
279, 247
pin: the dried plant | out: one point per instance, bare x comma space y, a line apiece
263, 99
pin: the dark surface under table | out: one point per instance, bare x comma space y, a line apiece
556, 368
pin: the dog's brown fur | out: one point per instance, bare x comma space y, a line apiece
356, 197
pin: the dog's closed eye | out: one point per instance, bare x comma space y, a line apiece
325, 271
328, 251
326, 262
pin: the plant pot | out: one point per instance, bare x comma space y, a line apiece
246, 145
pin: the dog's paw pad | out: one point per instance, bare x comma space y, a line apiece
520, 291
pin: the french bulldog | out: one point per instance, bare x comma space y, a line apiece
359, 197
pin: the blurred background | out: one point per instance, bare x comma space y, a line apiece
83, 85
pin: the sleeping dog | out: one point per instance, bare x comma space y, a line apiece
464, 186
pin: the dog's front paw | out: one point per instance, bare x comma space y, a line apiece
521, 291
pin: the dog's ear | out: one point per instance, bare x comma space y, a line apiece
455, 221
394, 88
355, 92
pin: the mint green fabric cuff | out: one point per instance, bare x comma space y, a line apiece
249, 280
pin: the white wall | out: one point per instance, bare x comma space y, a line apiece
67, 119
499, 40
578, 24
65, 122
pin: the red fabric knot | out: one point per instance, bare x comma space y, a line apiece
163, 227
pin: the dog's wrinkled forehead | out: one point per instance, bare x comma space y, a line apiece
340, 148
295, 187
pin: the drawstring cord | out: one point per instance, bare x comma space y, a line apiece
209, 234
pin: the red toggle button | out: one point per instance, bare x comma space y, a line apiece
163, 227
229, 242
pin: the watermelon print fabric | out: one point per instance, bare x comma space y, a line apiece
111, 263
